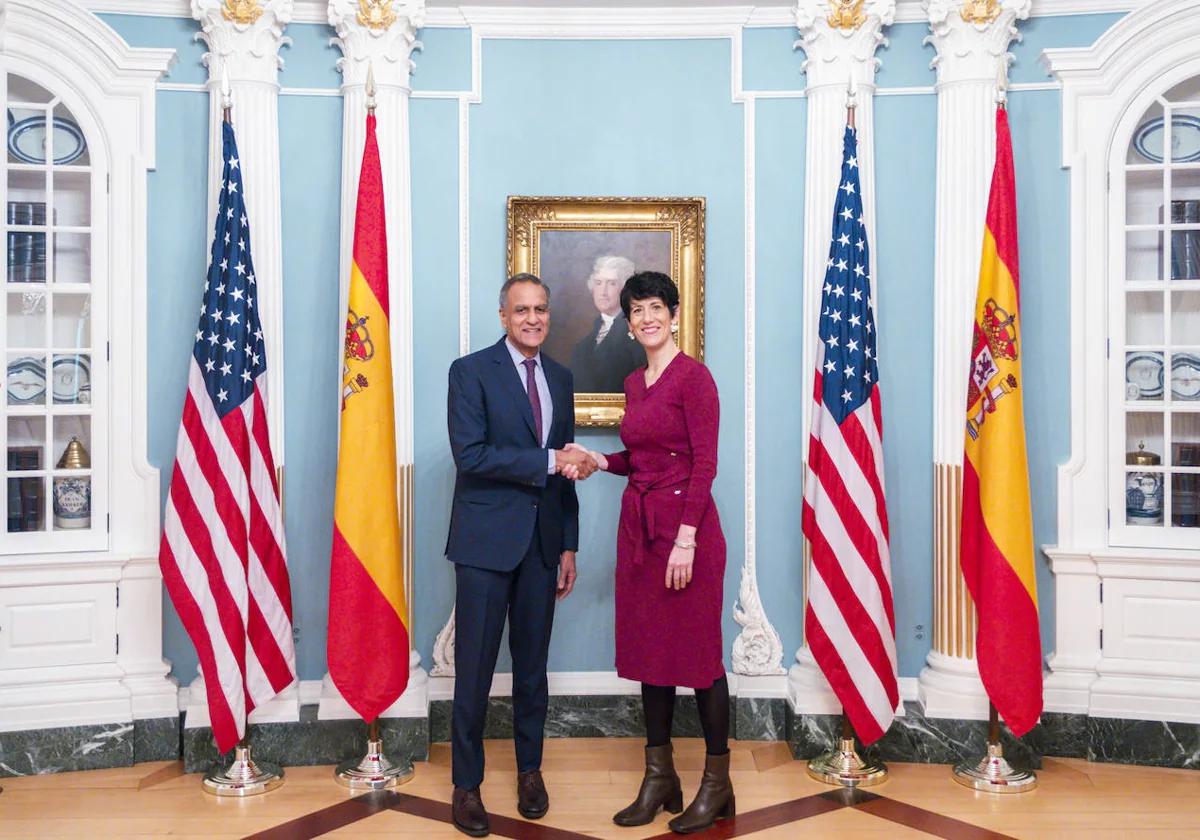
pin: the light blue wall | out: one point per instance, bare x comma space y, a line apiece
650, 118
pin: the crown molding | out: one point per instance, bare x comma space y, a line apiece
684, 17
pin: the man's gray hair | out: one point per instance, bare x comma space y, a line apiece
624, 268
523, 277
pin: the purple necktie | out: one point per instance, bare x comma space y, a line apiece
535, 399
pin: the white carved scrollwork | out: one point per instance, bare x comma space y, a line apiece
758, 650
835, 50
243, 46
970, 46
443, 650
382, 34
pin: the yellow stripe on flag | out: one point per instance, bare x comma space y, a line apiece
1008, 519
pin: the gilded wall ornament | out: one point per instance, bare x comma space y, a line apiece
980, 11
241, 11
846, 14
376, 14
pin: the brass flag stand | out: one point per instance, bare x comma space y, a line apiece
843, 766
373, 771
993, 773
244, 777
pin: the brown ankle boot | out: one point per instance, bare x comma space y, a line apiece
714, 801
660, 789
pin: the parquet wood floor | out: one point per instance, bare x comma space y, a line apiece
590, 779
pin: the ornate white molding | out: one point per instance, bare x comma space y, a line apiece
443, 650
972, 49
247, 51
969, 50
836, 54
775, 13
757, 650
386, 46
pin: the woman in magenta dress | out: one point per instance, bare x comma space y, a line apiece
670, 574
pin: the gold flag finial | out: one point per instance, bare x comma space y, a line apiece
241, 11
846, 14
980, 11
376, 14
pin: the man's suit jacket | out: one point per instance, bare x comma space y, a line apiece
602, 368
503, 489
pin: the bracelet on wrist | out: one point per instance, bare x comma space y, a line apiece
679, 544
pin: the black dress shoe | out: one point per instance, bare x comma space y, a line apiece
532, 800
468, 812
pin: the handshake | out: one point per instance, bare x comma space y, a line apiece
577, 463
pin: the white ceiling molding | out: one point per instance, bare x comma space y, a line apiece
615, 18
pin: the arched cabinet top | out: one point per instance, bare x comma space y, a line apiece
1148, 51
66, 48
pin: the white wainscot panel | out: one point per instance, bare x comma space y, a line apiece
43, 626
1152, 620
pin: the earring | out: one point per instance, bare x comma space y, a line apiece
630, 334
675, 327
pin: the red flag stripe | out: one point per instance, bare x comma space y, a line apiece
841, 598
222, 718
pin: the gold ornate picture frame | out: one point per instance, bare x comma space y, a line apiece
562, 240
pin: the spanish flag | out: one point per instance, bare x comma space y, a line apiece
997, 525
368, 640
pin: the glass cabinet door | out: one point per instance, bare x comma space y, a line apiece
49, 339
1161, 356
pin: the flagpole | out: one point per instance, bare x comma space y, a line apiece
374, 771
993, 773
244, 776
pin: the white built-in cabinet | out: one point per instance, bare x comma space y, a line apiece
80, 590
1127, 562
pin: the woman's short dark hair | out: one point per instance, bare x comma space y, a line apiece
649, 284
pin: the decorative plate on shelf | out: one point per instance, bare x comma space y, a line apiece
1149, 138
27, 140
1144, 376
72, 380
26, 380
1185, 376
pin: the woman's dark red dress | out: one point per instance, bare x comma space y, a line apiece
664, 636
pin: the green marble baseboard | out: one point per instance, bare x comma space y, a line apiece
309, 742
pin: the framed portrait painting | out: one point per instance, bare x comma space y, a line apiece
584, 249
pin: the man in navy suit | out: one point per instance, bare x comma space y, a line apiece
514, 530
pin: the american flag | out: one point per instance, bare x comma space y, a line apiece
850, 626
222, 553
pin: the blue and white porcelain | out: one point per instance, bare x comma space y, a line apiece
26, 382
27, 140
1144, 375
71, 380
1151, 135
1144, 498
73, 502
1185, 376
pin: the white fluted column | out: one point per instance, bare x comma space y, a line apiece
383, 38
839, 46
971, 50
245, 50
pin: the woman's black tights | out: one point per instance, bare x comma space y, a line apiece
658, 705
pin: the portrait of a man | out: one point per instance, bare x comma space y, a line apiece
586, 270
607, 354
584, 249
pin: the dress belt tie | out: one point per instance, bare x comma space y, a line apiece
641, 530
